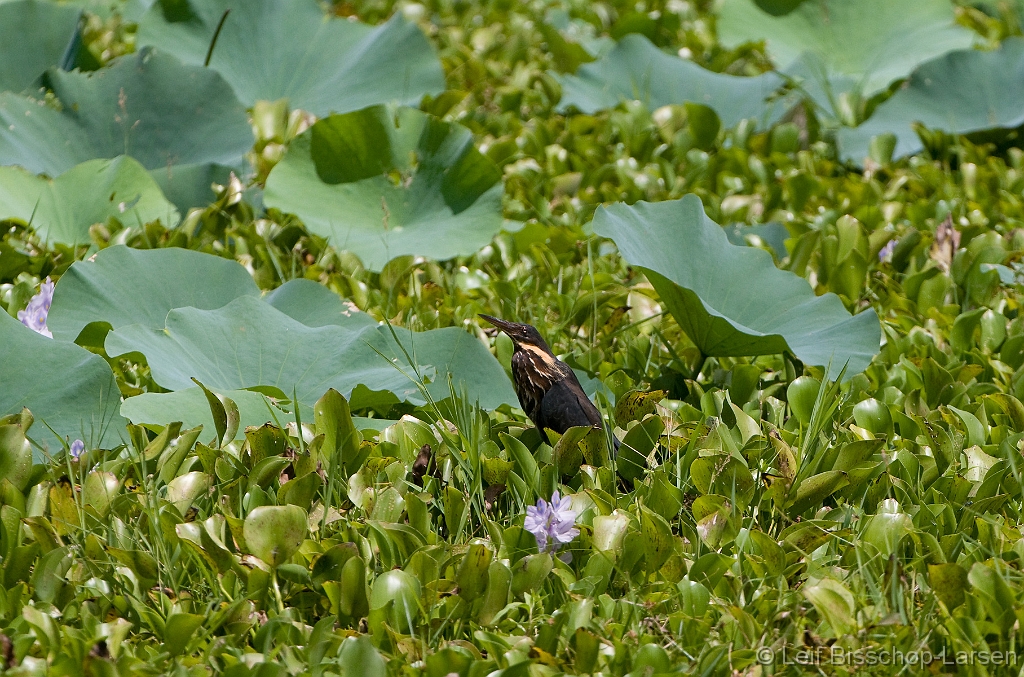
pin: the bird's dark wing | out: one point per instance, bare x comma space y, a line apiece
566, 405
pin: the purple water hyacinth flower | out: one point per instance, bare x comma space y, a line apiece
77, 447
885, 254
552, 524
34, 315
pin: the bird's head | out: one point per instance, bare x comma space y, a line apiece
523, 335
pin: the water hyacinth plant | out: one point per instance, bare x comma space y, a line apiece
552, 524
34, 315
885, 253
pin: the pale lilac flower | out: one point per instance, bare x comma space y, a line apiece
554, 522
885, 254
77, 447
34, 315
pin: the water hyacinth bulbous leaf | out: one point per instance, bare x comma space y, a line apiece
609, 532
182, 123
274, 532
961, 92
861, 45
184, 490
383, 183
192, 409
731, 300
636, 69
472, 575
179, 631
62, 209
15, 456
528, 574
99, 490
834, 603
949, 581
35, 35
358, 656
394, 597
499, 580
64, 386
271, 49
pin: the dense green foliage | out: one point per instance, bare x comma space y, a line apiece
318, 468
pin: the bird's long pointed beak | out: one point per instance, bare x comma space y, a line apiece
500, 324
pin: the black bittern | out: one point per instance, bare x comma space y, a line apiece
548, 390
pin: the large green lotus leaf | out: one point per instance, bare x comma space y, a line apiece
867, 42
732, 300
314, 305
383, 183
288, 49
249, 343
63, 209
452, 351
636, 69
130, 11
191, 407
121, 286
178, 121
961, 92
65, 387
35, 35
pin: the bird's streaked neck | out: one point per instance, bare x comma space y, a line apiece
543, 352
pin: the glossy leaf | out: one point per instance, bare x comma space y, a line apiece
949, 583
473, 572
396, 594
835, 603
15, 456
184, 490
180, 629
658, 539
273, 533
358, 656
